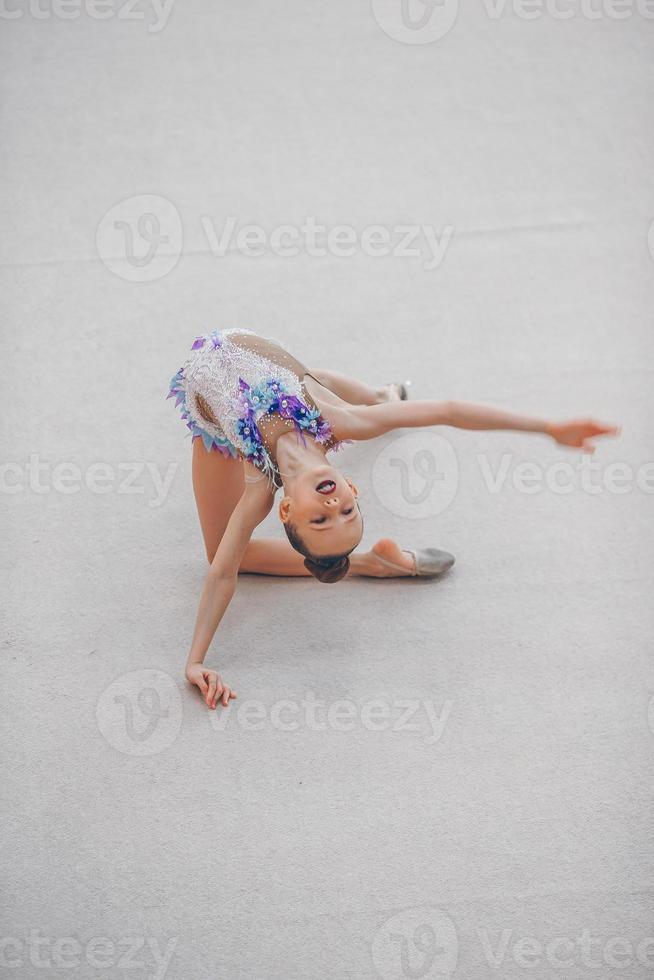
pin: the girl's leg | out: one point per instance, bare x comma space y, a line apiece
274, 556
218, 484
353, 391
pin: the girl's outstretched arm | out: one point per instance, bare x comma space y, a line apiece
220, 585
368, 421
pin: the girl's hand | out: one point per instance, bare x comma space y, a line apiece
210, 684
579, 432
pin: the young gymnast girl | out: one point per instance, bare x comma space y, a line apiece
261, 422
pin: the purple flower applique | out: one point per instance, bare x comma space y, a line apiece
275, 390
246, 426
241, 403
248, 430
320, 430
214, 338
268, 397
310, 420
290, 407
323, 432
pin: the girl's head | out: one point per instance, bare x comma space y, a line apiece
322, 520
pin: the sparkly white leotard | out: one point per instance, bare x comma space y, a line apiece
231, 382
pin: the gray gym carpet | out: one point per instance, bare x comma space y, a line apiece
445, 779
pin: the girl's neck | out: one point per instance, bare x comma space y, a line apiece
295, 453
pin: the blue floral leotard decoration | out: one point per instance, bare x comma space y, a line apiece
230, 381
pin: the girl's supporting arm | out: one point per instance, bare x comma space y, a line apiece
220, 585
369, 421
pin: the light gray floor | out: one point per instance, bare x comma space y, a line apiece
513, 807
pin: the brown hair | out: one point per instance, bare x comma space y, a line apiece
326, 568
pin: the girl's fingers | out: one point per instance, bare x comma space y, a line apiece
213, 689
211, 693
601, 429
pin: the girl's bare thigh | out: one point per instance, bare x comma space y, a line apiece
218, 484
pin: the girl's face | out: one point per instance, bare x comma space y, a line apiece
322, 506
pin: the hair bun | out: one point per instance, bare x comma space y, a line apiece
328, 571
